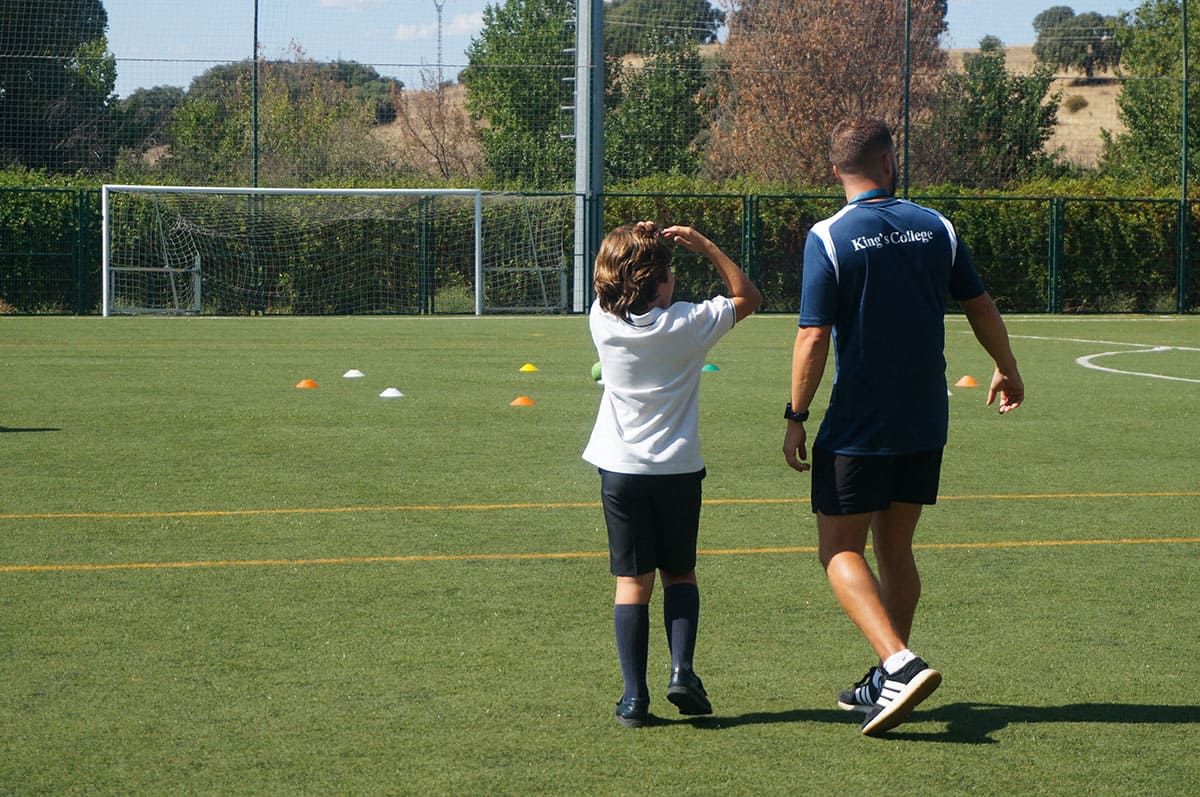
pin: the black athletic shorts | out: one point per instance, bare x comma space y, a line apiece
652, 521
849, 485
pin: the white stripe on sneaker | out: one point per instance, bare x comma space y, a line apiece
897, 699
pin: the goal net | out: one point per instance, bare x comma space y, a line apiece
238, 251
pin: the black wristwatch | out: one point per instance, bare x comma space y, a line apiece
791, 415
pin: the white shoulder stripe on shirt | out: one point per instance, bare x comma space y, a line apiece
822, 230
949, 229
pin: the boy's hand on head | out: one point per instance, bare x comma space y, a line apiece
686, 237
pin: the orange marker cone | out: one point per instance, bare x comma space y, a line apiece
967, 381
306, 384
521, 401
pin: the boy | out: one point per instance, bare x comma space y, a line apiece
646, 443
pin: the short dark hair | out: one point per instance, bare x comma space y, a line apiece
857, 141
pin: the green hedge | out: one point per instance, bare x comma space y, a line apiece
1107, 247
49, 244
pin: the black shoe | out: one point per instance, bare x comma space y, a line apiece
686, 691
862, 696
633, 712
900, 693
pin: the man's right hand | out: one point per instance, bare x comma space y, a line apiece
794, 446
1010, 388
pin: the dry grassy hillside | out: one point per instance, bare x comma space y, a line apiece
1078, 132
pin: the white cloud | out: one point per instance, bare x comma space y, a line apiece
408, 33
465, 24
461, 25
353, 5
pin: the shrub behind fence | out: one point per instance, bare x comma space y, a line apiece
1036, 254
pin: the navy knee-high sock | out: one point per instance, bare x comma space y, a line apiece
681, 614
631, 624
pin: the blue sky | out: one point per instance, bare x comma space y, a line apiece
172, 41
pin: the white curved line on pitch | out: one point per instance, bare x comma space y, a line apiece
1140, 346
1086, 362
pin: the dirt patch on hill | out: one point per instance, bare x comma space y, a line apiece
1078, 133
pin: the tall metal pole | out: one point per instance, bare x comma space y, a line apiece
589, 143
907, 82
1185, 216
254, 101
439, 5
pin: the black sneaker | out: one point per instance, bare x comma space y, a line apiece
863, 694
686, 691
633, 712
900, 693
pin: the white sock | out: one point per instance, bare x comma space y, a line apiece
896, 661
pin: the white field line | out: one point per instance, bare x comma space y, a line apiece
1086, 362
1135, 348
1144, 346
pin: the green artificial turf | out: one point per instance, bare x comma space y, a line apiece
214, 582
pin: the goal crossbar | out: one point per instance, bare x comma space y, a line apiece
107, 268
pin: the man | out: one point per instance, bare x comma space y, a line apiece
876, 276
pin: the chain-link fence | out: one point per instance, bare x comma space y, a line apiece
288, 92
1036, 254
1012, 114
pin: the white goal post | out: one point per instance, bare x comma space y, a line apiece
241, 250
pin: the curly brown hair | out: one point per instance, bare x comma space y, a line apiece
632, 262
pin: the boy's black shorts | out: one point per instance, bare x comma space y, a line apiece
849, 485
652, 521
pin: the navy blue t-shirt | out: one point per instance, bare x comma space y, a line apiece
879, 273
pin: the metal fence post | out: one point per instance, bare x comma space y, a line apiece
1055, 254
907, 89
1183, 270
79, 276
425, 290
254, 101
750, 236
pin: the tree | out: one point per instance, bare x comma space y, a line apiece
56, 85
794, 69
1052, 17
368, 84
516, 91
653, 128
312, 126
1067, 40
143, 119
987, 127
1149, 105
436, 135
629, 25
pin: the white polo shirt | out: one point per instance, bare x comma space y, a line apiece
649, 416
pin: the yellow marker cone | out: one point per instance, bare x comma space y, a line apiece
306, 384
521, 401
967, 381
528, 368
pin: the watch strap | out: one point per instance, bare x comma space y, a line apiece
793, 415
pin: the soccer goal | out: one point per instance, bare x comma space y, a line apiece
239, 251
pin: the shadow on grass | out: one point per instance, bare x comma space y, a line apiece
7, 429
717, 722
972, 723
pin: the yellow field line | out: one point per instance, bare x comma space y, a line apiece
341, 510
518, 557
